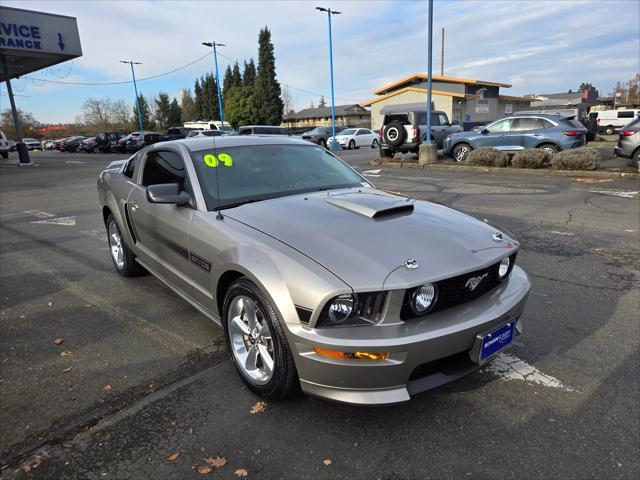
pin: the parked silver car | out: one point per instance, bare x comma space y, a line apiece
316, 277
629, 142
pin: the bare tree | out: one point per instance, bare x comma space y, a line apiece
97, 112
285, 95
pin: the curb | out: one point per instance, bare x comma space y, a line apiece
515, 171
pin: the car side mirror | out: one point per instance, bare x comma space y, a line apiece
484, 131
455, 122
167, 193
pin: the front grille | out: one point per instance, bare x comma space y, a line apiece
455, 291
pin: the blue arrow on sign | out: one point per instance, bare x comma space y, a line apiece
60, 42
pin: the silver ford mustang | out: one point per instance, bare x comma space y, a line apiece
317, 278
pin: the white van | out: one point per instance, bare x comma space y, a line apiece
4, 145
608, 121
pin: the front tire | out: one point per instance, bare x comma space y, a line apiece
461, 152
123, 258
256, 341
352, 145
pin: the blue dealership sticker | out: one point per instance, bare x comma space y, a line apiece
495, 341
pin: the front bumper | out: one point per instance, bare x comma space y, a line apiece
423, 353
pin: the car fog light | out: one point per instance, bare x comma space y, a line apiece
423, 298
352, 355
504, 267
341, 308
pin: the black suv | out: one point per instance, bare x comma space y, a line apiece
104, 139
136, 142
404, 128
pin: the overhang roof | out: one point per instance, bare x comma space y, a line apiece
411, 89
423, 76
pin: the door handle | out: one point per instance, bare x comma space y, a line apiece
133, 205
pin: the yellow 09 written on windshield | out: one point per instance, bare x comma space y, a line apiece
213, 161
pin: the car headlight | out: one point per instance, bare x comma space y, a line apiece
503, 268
423, 299
341, 308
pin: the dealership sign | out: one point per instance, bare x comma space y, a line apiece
32, 40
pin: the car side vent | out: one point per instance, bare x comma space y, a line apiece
304, 314
401, 209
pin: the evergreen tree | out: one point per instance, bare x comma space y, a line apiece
206, 98
249, 75
162, 110
188, 106
197, 102
147, 124
267, 102
227, 81
322, 103
236, 78
175, 114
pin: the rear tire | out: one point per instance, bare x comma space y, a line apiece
636, 157
374, 144
549, 149
609, 130
461, 152
256, 341
322, 143
122, 257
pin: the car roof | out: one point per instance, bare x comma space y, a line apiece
195, 144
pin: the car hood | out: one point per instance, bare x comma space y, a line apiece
365, 236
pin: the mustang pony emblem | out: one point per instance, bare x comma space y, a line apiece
473, 282
411, 263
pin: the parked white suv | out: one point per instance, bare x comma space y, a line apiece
4, 145
608, 121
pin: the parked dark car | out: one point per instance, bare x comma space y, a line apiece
71, 144
321, 135
57, 143
89, 145
136, 142
104, 139
120, 145
629, 142
178, 133
404, 128
551, 133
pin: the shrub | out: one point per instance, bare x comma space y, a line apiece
487, 157
531, 158
583, 158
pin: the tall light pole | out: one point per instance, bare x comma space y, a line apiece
215, 60
333, 145
135, 87
427, 139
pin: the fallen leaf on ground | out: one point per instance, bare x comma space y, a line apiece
67, 445
23, 316
107, 388
151, 385
173, 457
88, 305
327, 462
241, 472
216, 462
66, 353
619, 465
172, 424
50, 304
68, 369
58, 341
204, 469
259, 407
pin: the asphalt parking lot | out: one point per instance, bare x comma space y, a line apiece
140, 376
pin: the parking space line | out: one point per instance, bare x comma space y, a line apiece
509, 367
65, 221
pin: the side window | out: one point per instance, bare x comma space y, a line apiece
443, 119
625, 114
361, 132
244, 131
130, 167
545, 123
501, 126
164, 167
524, 124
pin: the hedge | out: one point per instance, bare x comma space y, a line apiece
583, 158
531, 158
487, 157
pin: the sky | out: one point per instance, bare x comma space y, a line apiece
542, 46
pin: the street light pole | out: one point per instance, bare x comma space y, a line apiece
135, 87
215, 60
333, 144
427, 139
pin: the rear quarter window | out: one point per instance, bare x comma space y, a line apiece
402, 118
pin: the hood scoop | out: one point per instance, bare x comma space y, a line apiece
372, 205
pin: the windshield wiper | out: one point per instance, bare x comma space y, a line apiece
237, 204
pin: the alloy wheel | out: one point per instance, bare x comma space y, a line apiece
250, 339
115, 245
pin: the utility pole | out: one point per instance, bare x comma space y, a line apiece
333, 145
135, 88
428, 152
442, 55
215, 60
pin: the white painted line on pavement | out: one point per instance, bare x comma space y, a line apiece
372, 173
616, 193
74, 161
39, 213
66, 221
509, 367
562, 233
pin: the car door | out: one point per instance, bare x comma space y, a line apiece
440, 126
361, 138
528, 132
497, 135
162, 230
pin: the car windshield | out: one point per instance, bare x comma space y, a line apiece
349, 131
257, 172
